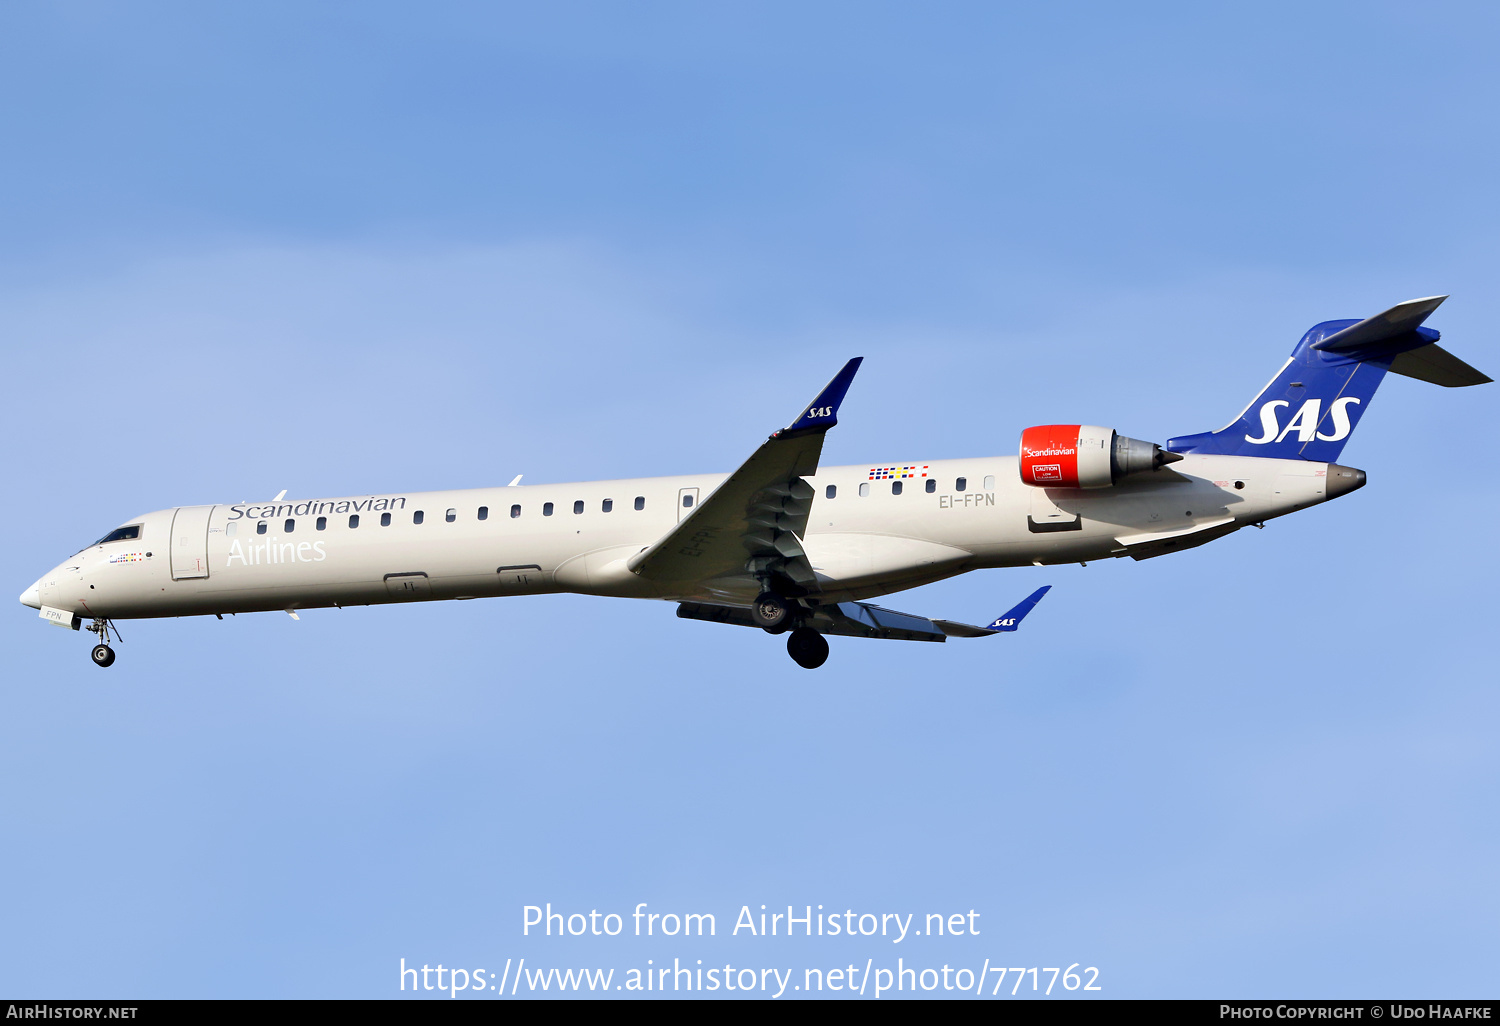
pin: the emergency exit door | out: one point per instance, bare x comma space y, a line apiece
190, 542
687, 498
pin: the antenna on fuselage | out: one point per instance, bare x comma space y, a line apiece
280, 495
515, 481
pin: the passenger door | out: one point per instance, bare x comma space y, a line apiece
189, 546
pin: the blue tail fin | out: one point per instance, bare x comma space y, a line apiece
1315, 402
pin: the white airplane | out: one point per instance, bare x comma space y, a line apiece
781, 544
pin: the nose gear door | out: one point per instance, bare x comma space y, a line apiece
190, 542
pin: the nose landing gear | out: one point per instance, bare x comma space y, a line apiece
103, 655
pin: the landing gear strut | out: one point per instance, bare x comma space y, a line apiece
807, 647
103, 655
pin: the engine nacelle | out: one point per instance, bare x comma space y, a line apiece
1085, 456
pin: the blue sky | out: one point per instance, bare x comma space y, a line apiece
339, 249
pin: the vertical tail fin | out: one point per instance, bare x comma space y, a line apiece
1316, 400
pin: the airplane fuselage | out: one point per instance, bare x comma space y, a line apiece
864, 538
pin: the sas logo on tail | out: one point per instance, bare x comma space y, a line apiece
1305, 421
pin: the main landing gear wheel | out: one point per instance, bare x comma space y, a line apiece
808, 648
103, 655
770, 612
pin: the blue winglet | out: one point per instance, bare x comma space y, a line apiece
1012, 620
823, 412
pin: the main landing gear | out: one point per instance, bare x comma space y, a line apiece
103, 655
772, 613
808, 648
776, 615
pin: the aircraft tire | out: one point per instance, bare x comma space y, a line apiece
808, 648
770, 610
103, 655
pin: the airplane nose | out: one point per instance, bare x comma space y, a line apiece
32, 596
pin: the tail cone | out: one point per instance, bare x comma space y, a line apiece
1343, 480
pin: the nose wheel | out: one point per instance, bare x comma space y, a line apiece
102, 654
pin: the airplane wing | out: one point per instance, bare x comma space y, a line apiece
755, 520
864, 620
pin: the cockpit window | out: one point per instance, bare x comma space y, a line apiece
130, 533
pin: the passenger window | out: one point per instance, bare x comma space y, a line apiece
640, 502
416, 517
385, 520
831, 491
687, 500
260, 528
322, 523
961, 485
895, 487
989, 482
451, 515
608, 505
515, 511
864, 489
578, 506
229, 529
931, 485
290, 526
546, 509
484, 512
353, 520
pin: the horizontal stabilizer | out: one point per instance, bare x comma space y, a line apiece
1401, 319
1435, 364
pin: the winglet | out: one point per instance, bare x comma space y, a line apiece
1012, 620
823, 412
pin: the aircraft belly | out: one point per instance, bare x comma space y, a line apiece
605, 572
857, 560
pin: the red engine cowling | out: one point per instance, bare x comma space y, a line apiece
1085, 456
